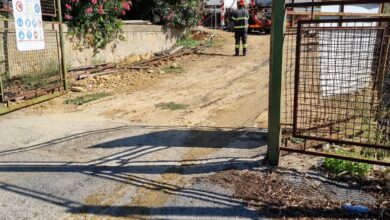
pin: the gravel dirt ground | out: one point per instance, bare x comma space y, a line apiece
125, 157
131, 156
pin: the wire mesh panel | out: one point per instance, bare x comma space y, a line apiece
288, 77
48, 7
26, 74
341, 82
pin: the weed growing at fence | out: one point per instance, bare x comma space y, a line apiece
172, 106
33, 81
378, 154
86, 98
41, 77
5, 76
368, 129
373, 132
354, 168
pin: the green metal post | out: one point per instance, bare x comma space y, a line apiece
62, 42
275, 88
5, 61
2, 99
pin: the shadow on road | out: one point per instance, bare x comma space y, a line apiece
223, 135
121, 167
126, 166
228, 207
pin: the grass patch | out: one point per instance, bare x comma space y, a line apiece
36, 81
188, 42
39, 77
172, 106
173, 69
86, 98
338, 166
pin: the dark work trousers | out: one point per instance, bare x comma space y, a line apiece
241, 35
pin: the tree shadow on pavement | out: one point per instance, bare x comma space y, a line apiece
194, 138
133, 148
123, 163
126, 166
228, 206
164, 137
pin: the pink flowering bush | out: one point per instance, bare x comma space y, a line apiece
95, 21
177, 13
173, 13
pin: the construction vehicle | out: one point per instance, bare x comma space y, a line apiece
259, 19
259, 10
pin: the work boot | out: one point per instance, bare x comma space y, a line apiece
244, 51
237, 52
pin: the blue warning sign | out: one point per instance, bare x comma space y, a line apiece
28, 22
21, 35
37, 8
29, 35
20, 22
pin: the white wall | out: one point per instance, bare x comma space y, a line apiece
139, 40
337, 74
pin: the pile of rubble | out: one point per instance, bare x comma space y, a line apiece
132, 67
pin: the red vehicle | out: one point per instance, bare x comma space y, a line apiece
259, 19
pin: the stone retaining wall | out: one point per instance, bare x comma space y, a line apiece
140, 39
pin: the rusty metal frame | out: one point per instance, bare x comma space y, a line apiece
297, 78
296, 130
336, 156
310, 142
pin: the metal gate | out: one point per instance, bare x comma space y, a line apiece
336, 86
340, 73
29, 74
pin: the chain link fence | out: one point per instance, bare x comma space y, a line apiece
48, 7
29, 74
339, 82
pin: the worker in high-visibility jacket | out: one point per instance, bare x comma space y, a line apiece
240, 20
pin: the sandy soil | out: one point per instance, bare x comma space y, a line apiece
124, 156
217, 88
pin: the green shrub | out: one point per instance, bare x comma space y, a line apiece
338, 166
